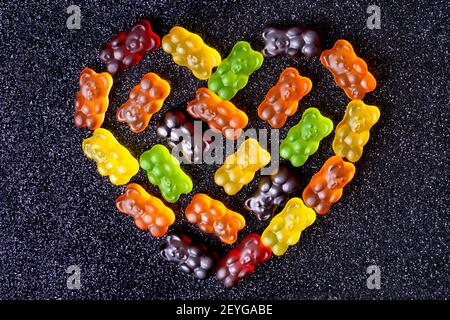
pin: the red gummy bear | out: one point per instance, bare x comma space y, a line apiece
242, 260
127, 48
326, 186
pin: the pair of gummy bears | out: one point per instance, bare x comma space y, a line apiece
212, 106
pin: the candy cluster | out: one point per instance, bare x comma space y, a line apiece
212, 105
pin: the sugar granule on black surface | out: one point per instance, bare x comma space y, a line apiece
57, 211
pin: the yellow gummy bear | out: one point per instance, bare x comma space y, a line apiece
240, 167
352, 133
189, 50
113, 159
286, 227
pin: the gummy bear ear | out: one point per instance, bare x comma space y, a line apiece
258, 60
171, 237
266, 33
163, 252
242, 46
288, 74
375, 114
202, 94
248, 204
310, 115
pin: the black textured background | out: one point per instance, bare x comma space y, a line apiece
57, 211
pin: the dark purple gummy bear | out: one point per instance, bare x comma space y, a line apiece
178, 129
273, 191
191, 258
293, 41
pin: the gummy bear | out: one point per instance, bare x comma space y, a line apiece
113, 159
127, 48
91, 102
149, 213
189, 50
294, 41
191, 258
286, 227
241, 261
145, 100
222, 116
326, 186
240, 167
163, 170
303, 139
213, 217
233, 73
179, 131
282, 99
273, 191
352, 133
350, 72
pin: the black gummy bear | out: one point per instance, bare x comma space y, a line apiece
178, 130
293, 41
273, 191
191, 258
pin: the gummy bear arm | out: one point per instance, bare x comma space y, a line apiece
364, 138
294, 237
224, 67
240, 82
336, 195
311, 147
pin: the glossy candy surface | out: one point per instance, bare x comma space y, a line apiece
189, 50
240, 167
241, 261
212, 216
233, 73
191, 258
127, 48
350, 72
113, 159
286, 227
180, 133
282, 99
91, 101
303, 139
273, 191
326, 186
352, 133
221, 116
149, 213
294, 41
164, 170
145, 100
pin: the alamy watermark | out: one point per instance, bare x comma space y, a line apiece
74, 279
74, 20
374, 20
374, 280
210, 147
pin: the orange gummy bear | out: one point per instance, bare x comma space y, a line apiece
222, 116
213, 217
350, 72
149, 212
282, 99
91, 101
326, 186
144, 101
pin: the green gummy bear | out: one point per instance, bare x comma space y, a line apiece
303, 139
164, 170
232, 74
